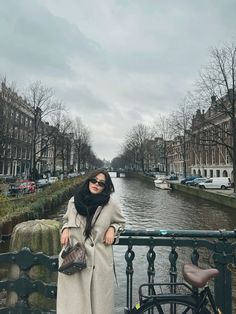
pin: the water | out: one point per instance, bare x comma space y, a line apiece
144, 207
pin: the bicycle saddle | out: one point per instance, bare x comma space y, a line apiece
198, 277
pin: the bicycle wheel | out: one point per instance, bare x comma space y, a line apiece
166, 307
204, 311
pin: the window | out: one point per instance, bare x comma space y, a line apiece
8, 151
23, 135
16, 132
213, 156
225, 173
11, 131
228, 159
14, 151
210, 157
28, 153
23, 153
19, 152
17, 117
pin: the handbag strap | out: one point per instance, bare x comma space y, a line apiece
96, 215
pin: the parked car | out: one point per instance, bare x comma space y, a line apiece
173, 177
73, 175
52, 180
21, 187
195, 181
13, 190
42, 183
152, 174
27, 186
189, 178
216, 183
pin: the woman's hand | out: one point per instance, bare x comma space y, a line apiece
109, 236
65, 240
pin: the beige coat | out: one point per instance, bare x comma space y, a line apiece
90, 291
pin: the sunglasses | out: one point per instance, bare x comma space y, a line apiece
100, 183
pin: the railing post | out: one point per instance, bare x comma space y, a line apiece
151, 256
173, 256
129, 257
195, 254
223, 283
195, 258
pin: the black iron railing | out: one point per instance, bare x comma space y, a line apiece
218, 246
24, 285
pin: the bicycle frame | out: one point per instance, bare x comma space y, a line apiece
194, 298
206, 294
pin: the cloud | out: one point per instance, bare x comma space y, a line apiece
113, 63
39, 41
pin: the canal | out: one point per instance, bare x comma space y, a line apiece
146, 207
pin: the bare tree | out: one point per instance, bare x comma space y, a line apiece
118, 162
127, 157
81, 139
137, 142
65, 141
42, 103
181, 122
162, 129
93, 161
61, 139
217, 83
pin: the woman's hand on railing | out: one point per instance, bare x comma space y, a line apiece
109, 236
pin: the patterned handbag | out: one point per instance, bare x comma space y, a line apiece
74, 259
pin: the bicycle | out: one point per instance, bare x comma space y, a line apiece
179, 298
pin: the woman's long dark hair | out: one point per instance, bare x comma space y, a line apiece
86, 203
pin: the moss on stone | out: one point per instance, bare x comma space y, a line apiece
40, 236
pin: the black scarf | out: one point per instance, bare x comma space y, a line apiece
87, 203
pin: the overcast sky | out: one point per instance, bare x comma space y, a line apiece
113, 63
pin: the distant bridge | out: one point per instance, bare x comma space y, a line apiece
119, 173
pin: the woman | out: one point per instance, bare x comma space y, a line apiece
93, 218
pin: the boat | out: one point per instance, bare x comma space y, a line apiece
162, 183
